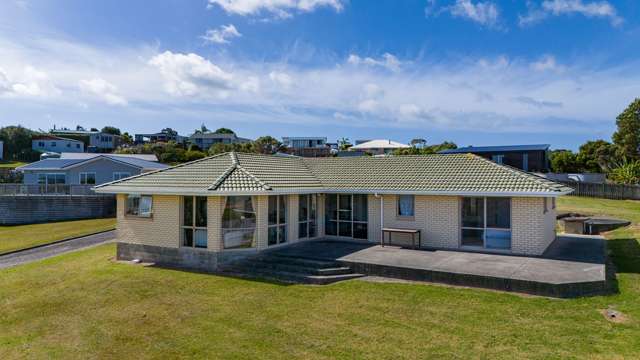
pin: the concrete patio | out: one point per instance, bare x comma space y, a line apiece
572, 266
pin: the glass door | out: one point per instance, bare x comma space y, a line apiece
346, 216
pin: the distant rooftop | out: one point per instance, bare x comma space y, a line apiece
503, 148
70, 155
62, 164
379, 144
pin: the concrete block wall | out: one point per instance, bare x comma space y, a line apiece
16, 210
162, 229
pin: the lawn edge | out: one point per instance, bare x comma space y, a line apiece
55, 242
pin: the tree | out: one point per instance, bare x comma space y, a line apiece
169, 131
203, 130
426, 149
627, 137
627, 172
17, 143
127, 139
344, 144
564, 161
224, 131
267, 145
111, 130
595, 156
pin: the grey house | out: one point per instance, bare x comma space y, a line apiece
89, 171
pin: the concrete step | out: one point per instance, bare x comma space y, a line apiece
291, 260
291, 274
259, 263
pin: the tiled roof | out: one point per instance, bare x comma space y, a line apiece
254, 173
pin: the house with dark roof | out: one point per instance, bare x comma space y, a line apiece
534, 158
206, 140
207, 212
86, 170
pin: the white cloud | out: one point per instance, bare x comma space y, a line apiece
279, 8
30, 82
221, 35
484, 13
191, 75
281, 78
594, 9
387, 61
546, 63
103, 90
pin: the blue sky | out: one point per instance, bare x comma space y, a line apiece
474, 72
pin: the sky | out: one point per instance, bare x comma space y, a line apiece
473, 72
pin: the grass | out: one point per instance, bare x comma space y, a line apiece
84, 305
11, 164
25, 236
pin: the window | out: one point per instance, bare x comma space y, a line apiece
525, 162
120, 175
53, 144
41, 143
307, 214
406, 205
77, 146
194, 221
238, 222
277, 220
498, 158
51, 179
68, 145
346, 216
486, 223
139, 205
88, 178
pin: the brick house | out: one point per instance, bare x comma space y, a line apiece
204, 213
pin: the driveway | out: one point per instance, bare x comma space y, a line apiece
26, 256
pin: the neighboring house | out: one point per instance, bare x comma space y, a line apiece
593, 178
147, 157
158, 137
89, 171
378, 147
56, 144
533, 158
203, 213
307, 146
206, 140
98, 141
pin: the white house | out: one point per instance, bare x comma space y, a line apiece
50, 143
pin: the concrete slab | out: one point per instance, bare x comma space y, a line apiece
572, 266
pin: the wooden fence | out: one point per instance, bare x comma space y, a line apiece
605, 191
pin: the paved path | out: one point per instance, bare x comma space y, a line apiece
47, 251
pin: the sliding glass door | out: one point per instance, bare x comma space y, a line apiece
346, 216
486, 222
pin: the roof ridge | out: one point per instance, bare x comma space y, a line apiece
216, 184
254, 178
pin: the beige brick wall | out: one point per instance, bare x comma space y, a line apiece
532, 230
292, 218
215, 209
437, 217
163, 229
261, 207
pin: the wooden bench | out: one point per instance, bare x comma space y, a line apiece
413, 233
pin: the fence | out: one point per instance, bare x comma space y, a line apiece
606, 191
57, 189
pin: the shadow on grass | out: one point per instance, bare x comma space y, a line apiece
625, 253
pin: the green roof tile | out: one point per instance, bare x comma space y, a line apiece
239, 172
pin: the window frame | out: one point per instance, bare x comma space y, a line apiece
55, 175
194, 226
338, 220
312, 207
121, 177
252, 229
413, 207
281, 227
484, 226
498, 158
85, 176
137, 214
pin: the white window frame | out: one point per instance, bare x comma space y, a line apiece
46, 178
85, 178
278, 224
498, 158
484, 223
148, 214
193, 225
119, 173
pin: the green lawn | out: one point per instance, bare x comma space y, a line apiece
83, 305
11, 164
25, 236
